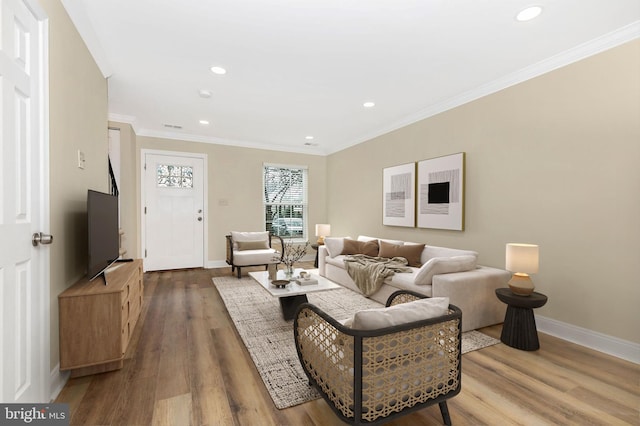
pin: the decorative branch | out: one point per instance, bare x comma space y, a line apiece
293, 252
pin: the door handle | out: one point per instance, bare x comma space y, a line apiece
40, 238
199, 219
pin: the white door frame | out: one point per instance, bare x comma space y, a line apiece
205, 196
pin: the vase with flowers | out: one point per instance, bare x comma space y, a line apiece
291, 253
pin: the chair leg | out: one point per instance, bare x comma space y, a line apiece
444, 410
238, 272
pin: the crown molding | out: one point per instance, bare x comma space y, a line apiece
575, 54
228, 142
127, 119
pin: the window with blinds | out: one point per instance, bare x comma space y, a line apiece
285, 200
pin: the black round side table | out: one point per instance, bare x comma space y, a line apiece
519, 328
315, 247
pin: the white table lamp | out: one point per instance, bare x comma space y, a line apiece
522, 260
322, 230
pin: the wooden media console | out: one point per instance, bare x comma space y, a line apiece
97, 320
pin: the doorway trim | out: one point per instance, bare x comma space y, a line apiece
205, 196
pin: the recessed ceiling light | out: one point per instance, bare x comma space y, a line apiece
204, 93
308, 138
204, 122
218, 70
369, 104
529, 13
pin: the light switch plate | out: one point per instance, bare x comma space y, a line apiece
80, 159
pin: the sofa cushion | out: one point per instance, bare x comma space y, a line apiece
255, 257
334, 245
434, 251
369, 248
238, 236
373, 319
444, 265
336, 261
365, 238
253, 245
411, 252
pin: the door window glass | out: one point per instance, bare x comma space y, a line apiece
170, 176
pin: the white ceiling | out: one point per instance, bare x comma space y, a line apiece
297, 68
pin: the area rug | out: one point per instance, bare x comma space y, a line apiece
269, 338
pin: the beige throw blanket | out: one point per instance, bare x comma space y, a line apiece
369, 272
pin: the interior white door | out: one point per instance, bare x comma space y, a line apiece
24, 279
173, 211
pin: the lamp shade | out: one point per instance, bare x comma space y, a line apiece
323, 229
522, 258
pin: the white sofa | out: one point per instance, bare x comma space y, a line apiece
445, 272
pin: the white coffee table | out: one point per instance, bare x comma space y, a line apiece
294, 294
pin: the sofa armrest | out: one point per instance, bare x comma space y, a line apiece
474, 293
322, 255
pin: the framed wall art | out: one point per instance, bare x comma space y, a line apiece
440, 192
398, 204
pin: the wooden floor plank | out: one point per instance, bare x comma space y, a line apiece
173, 371
172, 411
137, 403
211, 407
248, 398
187, 365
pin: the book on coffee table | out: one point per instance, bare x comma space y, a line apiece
310, 280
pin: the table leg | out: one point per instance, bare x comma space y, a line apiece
290, 304
519, 329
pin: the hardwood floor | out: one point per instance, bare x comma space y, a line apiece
188, 366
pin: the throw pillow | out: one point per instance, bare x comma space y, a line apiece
444, 265
366, 238
334, 245
373, 319
238, 236
410, 252
249, 236
369, 248
253, 245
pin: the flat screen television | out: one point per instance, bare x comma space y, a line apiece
103, 230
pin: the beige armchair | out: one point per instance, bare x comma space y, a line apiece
372, 376
253, 249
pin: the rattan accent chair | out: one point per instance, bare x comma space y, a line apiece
253, 249
372, 376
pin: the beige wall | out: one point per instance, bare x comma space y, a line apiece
235, 186
553, 161
77, 121
128, 189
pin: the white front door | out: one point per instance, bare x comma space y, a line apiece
24, 190
173, 210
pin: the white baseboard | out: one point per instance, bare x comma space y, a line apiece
57, 381
212, 264
610, 345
